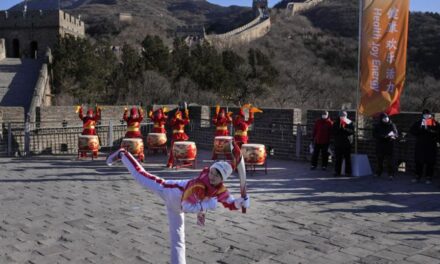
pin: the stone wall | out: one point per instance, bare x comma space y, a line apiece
42, 92
274, 128
280, 130
125, 17
11, 114
34, 31
2, 49
255, 29
295, 8
53, 116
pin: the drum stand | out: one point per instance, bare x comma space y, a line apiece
251, 167
182, 163
85, 152
225, 156
163, 149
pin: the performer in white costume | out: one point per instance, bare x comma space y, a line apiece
184, 196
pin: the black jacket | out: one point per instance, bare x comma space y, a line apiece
426, 141
384, 143
342, 133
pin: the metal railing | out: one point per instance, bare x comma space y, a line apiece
24, 139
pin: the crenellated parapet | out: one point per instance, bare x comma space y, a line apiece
295, 8
29, 33
16, 20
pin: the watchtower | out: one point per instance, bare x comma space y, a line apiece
28, 33
256, 4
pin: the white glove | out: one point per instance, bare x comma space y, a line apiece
115, 156
242, 202
210, 203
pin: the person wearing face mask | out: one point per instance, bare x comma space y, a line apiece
426, 131
342, 131
321, 139
385, 133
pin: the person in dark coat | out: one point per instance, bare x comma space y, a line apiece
427, 132
321, 139
342, 131
385, 133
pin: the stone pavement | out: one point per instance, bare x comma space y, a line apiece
60, 210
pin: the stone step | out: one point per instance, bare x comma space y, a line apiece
18, 78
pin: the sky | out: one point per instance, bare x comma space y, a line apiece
416, 5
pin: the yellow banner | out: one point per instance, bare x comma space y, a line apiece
384, 35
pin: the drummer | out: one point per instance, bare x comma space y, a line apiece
133, 122
221, 121
159, 119
134, 125
89, 123
178, 124
241, 126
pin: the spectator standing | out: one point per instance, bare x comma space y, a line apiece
385, 133
321, 139
427, 132
342, 131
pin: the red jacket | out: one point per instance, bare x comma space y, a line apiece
178, 126
89, 123
221, 124
241, 128
159, 119
133, 125
322, 131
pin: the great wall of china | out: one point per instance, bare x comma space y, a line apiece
253, 30
295, 8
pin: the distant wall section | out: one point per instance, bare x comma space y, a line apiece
295, 8
255, 29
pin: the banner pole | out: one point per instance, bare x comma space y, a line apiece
356, 135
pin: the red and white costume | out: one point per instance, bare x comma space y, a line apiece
133, 122
159, 119
89, 125
241, 127
221, 121
89, 121
178, 125
180, 196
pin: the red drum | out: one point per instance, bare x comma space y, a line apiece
88, 143
254, 154
133, 145
222, 145
156, 140
185, 150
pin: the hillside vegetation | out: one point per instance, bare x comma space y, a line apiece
150, 17
306, 61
